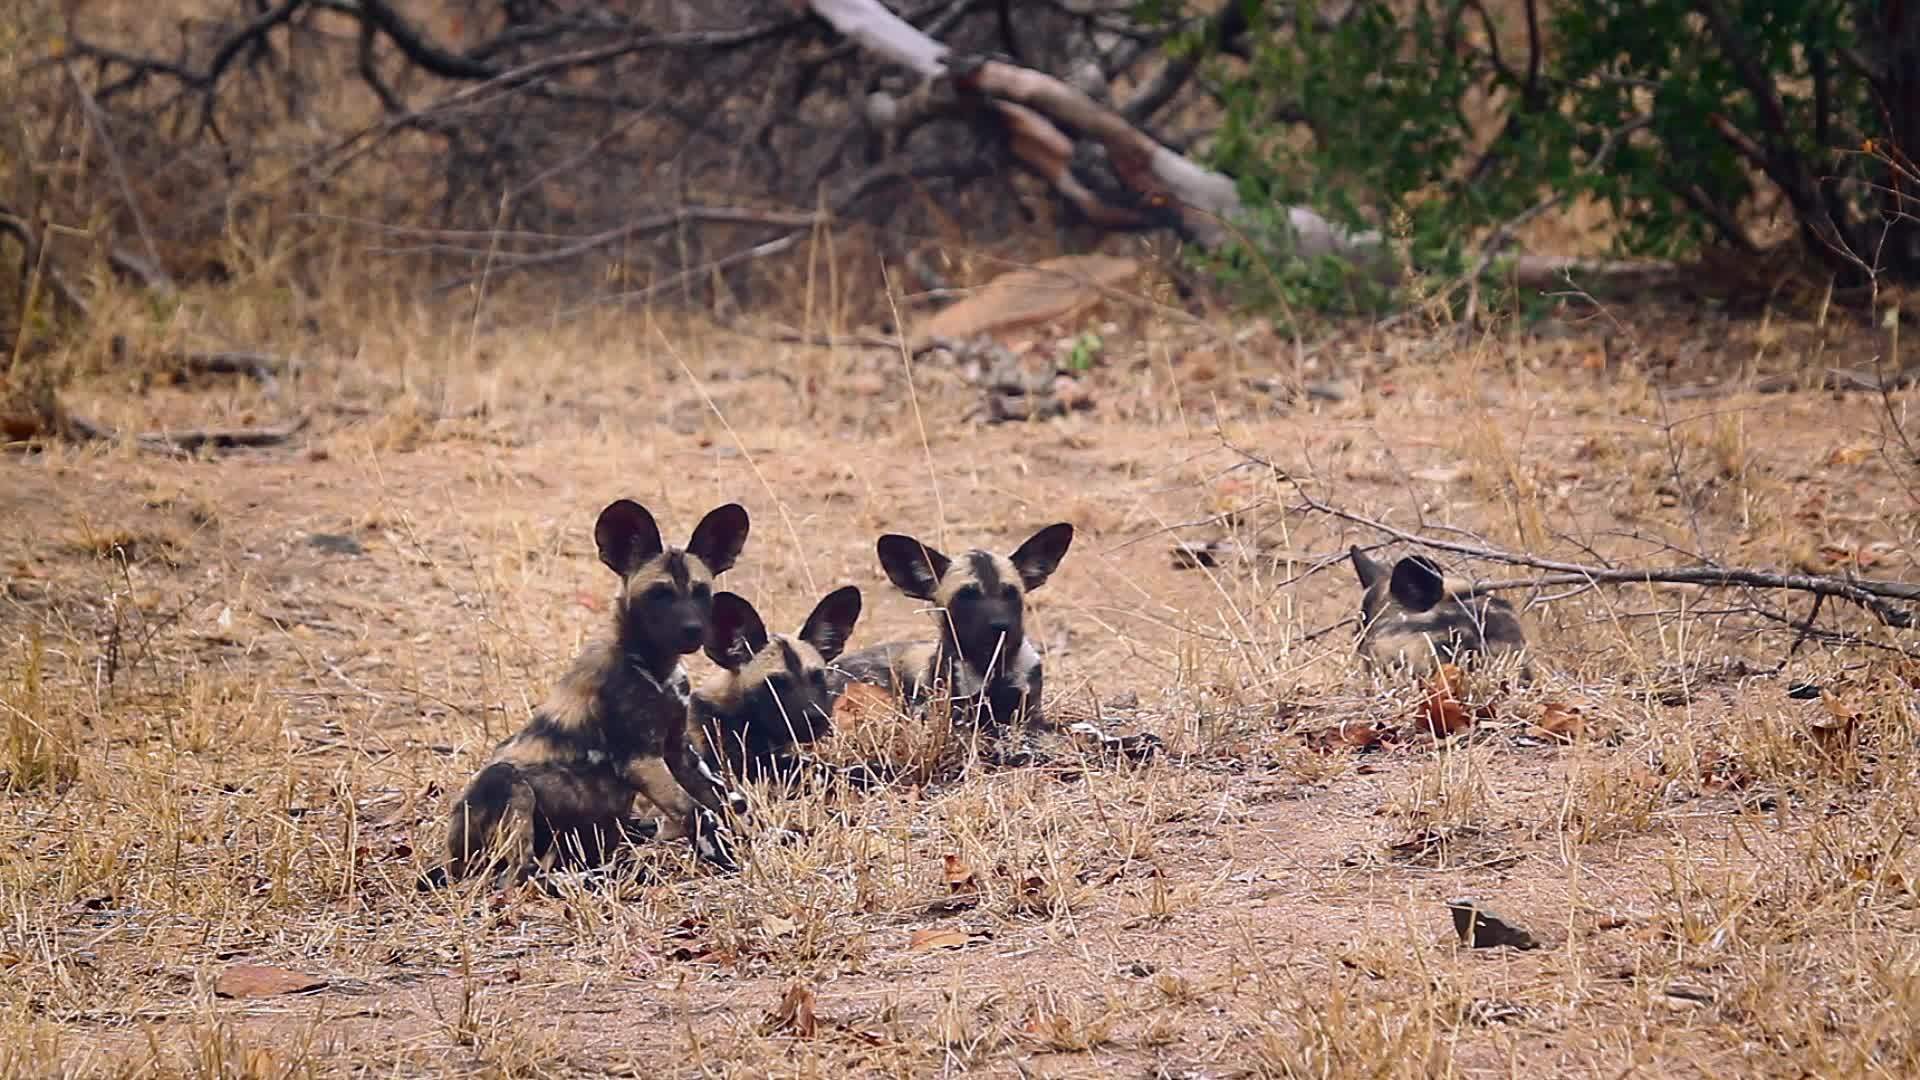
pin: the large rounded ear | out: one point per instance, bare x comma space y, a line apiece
718, 538
626, 536
1417, 583
913, 567
1043, 551
1368, 570
736, 633
831, 623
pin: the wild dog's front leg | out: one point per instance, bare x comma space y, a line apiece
696, 774
680, 814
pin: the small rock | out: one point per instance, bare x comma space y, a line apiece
1071, 395
1480, 927
336, 544
1328, 390
1003, 407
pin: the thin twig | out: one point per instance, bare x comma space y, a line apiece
1871, 594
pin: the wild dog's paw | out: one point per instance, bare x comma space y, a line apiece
1138, 746
737, 802
1012, 752
862, 776
712, 843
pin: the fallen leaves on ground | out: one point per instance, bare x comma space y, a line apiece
1448, 708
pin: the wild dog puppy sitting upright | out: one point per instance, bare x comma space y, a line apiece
771, 695
616, 726
1414, 618
982, 660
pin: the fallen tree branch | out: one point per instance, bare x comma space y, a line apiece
184, 442
1205, 203
14, 225
1836, 380
504, 263
1878, 597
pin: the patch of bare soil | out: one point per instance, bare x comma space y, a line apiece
240, 691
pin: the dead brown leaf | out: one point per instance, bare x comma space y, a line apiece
1834, 731
1446, 709
1356, 735
795, 1016
1561, 721
933, 938
862, 702
1035, 896
262, 980
960, 877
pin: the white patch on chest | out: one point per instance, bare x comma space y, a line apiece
1017, 674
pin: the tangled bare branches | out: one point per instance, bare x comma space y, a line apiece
649, 142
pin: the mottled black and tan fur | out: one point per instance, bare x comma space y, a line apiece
770, 697
1412, 618
981, 660
616, 725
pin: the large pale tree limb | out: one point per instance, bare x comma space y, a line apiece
1204, 202
1043, 115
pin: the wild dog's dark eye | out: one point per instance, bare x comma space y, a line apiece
818, 679
1010, 591
702, 591
657, 594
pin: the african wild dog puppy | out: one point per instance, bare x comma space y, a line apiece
771, 697
616, 726
1413, 617
982, 660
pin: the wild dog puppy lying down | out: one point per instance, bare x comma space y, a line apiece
981, 662
771, 695
616, 726
1415, 619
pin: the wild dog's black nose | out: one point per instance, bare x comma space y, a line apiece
1000, 626
692, 635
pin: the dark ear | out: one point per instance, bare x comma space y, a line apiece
1043, 551
913, 567
1417, 583
626, 536
737, 632
1368, 570
718, 538
831, 623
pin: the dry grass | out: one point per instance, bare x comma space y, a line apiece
239, 693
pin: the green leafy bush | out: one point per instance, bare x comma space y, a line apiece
1686, 119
